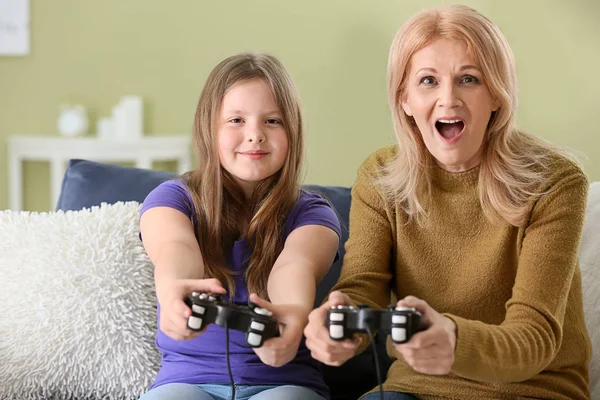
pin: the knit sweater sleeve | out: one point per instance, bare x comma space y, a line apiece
530, 336
366, 273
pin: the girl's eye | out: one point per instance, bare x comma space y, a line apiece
273, 121
236, 120
428, 80
469, 79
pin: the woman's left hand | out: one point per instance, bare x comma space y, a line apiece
292, 319
431, 351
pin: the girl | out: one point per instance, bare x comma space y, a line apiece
240, 224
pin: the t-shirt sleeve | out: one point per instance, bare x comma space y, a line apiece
313, 209
173, 194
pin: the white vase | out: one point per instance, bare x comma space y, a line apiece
72, 121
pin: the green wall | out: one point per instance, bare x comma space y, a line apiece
92, 52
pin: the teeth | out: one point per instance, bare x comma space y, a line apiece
449, 121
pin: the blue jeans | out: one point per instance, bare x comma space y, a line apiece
390, 396
186, 391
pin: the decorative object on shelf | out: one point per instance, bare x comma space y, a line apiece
72, 121
14, 27
126, 122
105, 128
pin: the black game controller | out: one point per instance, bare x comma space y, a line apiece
400, 322
258, 323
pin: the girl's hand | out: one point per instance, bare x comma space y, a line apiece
429, 352
174, 313
292, 319
322, 348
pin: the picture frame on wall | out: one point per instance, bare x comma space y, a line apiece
14, 28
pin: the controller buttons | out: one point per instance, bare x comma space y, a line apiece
254, 340
263, 311
398, 335
257, 326
398, 319
203, 296
336, 331
198, 309
194, 322
338, 317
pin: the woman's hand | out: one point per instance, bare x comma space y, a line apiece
291, 318
431, 351
174, 313
322, 348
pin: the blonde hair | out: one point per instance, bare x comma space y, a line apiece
222, 211
513, 162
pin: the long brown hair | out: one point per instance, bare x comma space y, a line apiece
513, 162
223, 213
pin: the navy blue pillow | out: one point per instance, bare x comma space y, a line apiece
89, 183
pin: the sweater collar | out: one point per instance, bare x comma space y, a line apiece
454, 181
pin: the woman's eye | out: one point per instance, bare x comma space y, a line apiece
273, 121
469, 79
236, 120
428, 80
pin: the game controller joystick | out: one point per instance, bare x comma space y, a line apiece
257, 323
400, 322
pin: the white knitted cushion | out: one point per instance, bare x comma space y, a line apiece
77, 305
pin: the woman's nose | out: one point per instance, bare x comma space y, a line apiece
448, 96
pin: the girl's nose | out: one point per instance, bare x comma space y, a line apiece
255, 135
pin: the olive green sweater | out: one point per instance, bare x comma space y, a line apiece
514, 293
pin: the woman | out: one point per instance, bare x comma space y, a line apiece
470, 221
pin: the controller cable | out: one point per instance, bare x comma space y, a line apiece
377, 371
228, 363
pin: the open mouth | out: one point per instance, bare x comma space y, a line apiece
450, 129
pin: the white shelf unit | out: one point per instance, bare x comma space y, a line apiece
59, 150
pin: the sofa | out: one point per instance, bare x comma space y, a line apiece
77, 307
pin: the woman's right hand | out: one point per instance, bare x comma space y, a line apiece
322, 347
174, 313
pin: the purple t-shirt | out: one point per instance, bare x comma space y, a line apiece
202, 359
